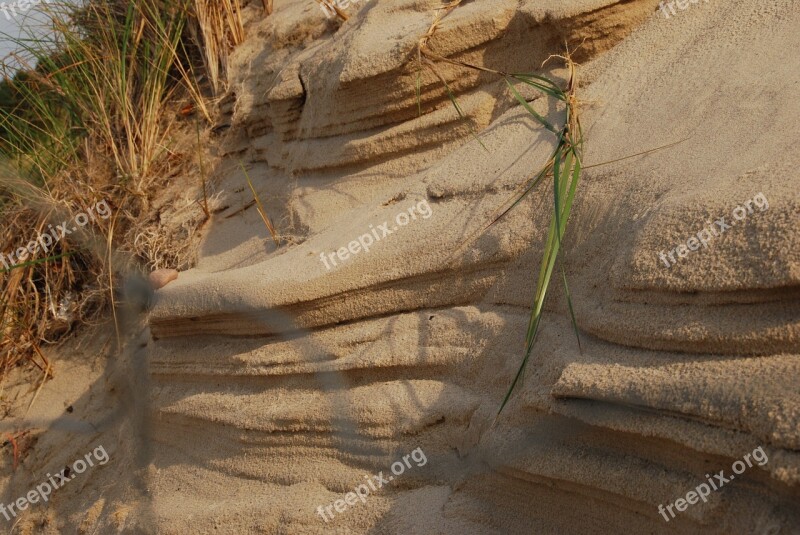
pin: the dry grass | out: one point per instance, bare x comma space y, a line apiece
43, 298
328, 4
217, 27
98, 119
261, 210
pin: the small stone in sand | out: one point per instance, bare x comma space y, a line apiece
161, 277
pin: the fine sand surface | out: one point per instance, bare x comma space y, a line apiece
265, 385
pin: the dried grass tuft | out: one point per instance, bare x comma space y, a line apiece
94, 120
217, 27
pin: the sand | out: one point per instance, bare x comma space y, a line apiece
272, 385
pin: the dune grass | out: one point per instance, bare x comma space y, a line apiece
260, 207
84, 119
217, 26
107, 83
564, 166
88, 112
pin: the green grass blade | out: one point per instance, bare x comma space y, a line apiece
571, 310
559, 189
461, 113
547, 81
576, 175
556, 194
530, 110
555, 93
35, 262
549, 261
528, 189
536, 314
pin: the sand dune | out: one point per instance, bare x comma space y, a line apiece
276, 383
285, 383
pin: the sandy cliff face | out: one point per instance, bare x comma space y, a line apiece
280, 379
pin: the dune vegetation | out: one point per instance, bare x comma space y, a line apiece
90, 116
88, 112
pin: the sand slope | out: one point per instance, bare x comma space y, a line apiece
277, 384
